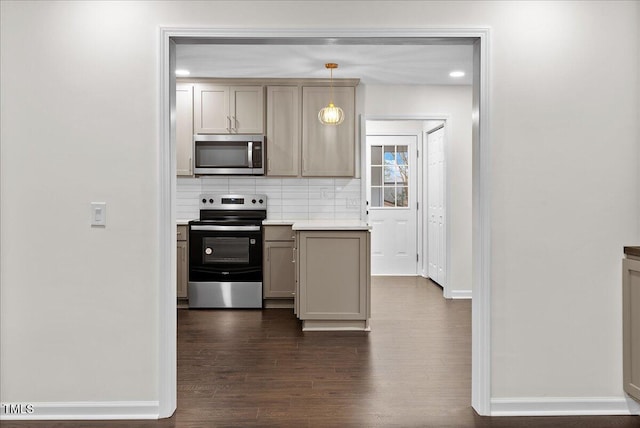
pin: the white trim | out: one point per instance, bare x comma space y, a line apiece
461, 294
563, 406
74, 410
481, 302
481, 314
167, 316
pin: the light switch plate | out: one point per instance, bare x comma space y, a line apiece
98, 213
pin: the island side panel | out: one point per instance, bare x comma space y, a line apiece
333, 275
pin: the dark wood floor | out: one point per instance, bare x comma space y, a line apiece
243, 368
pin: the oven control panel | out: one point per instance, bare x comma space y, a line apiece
235, 202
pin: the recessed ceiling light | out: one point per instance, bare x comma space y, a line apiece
457, 73
182, 72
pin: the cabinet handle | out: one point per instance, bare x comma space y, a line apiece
235, 122
268, 164
229, 122
190, 165
293, 255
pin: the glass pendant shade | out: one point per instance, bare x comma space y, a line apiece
331, 114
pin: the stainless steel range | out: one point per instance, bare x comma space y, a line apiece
225, 252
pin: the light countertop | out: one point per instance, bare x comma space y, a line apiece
632, 251
269, 222
309, 224
330, 225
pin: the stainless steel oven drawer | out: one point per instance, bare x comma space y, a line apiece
225, 294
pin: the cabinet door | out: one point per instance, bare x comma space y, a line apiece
183, 270
328, 150
631, 327
283, 131
211, 109
333, 275
247, 109
184, 128
279, 274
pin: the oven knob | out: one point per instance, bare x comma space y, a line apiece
204, 201
261, 201
210, 201
253, 201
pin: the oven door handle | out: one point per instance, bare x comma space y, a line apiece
226, 228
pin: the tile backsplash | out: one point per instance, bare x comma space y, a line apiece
287, 198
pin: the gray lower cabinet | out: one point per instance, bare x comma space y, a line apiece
631, 325
182, 261
333, 279
279, 273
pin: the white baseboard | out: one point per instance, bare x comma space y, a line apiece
561, 406
461, 294
89, 410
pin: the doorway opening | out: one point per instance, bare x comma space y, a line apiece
407, 196
478, 38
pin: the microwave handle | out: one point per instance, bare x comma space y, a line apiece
250, 154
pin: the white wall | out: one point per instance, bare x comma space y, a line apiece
454, 102
79, 113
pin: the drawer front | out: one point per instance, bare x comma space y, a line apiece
278, 233
183, 232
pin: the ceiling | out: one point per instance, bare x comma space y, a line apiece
372, 64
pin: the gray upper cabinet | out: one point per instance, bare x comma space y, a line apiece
223, 109
284, 110
328, 150
184, 128
283, 131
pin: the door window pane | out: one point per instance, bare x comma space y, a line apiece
402, 197
376, 176
376, 196
376, 155
389, 155
390, 175
389, 196
402, 156
403, 175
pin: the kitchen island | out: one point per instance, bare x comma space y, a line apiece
631, 321
332, 273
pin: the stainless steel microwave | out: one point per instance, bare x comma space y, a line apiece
228, 154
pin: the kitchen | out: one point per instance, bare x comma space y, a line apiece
312, 171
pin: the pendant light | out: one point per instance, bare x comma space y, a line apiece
331, 115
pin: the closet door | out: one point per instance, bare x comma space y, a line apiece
436, 207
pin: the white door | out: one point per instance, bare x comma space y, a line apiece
436, 227
391, 203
